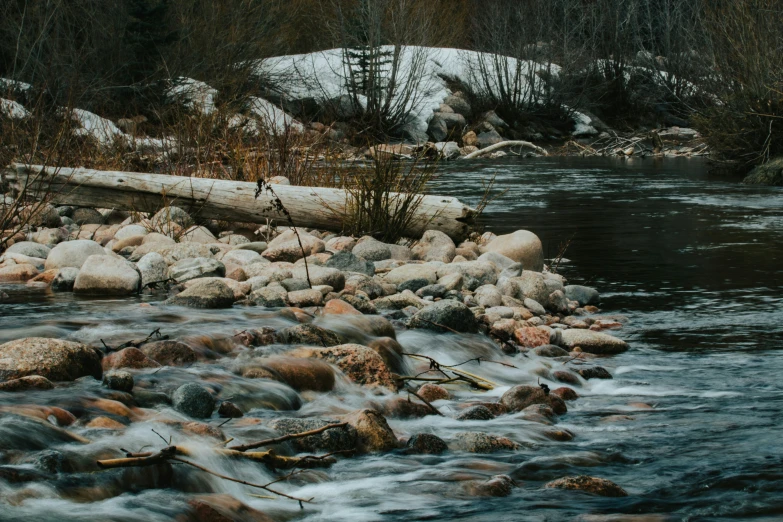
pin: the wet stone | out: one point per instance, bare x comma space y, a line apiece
335, 439
427, 444
229, 410
597, 486
118, 380
565, 393
477, 442
193, 400
478, 412
307, 334
595, 372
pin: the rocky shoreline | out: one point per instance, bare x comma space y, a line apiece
345, 307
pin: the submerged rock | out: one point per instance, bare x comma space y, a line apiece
307, 334
169, 353
336, 439
597, 486
301, 374
360, 363
426, 444
31, 382
520, 397
53, 359
497, 486
118, 380
477, 442
373, 433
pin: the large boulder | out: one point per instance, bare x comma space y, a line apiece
54, 359
196, 267
107, 275
522, 246
769, 173
286, 247
73, 253
445, 316
434, 245
593, 342
459, 104
17, 273
211, 293
488, 138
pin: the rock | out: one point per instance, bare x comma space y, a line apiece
593, 342
107, 275
285, 247
212, 293
87, 216
372, 431
153, 268
371, 249
530, 285
426, 444
594, 372
198, 235
301, 374
497, 486
435, 246
194, 268
45, 215
169, 353
390, 351
361, 364
565, 393
272, 296
339, 307
405, 273
484, 272
477, 442
413, 285
488, 138
406, 408
168, 215
193, 400
53, 359
557, 302
566, 377
50, 236
534, 306
345, 261
399, 301
321, 275
131, 231
303, 298
222, 508
459, 104
549, 350
520, 397
104, 423
488, 296
30, 249
445, 316
475, 413
229, 410
335, 439
30, 382
73, 253
521, 246
436, 290
437, 128
502, 263
17, 273
254, 246
308, 335
584, 295
128, 358
447, 150
433, 392
119, 380
597, 486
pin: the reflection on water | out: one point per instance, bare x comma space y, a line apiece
693, 261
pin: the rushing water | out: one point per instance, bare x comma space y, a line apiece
695, 264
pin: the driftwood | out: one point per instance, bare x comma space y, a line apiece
503, 145
315, 207
283, 438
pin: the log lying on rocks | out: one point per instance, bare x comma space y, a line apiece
503, 145
315, 207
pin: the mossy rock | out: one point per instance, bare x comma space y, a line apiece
770, 173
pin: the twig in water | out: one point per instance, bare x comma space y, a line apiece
425, 401
277, 440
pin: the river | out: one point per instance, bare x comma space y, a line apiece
689, 425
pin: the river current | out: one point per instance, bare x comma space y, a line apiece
690, 425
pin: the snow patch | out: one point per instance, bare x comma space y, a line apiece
14, 85
193, 94
103, 130
13, 110
582, 125
272, 117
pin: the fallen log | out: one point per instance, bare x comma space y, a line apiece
503, 145
315, 207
